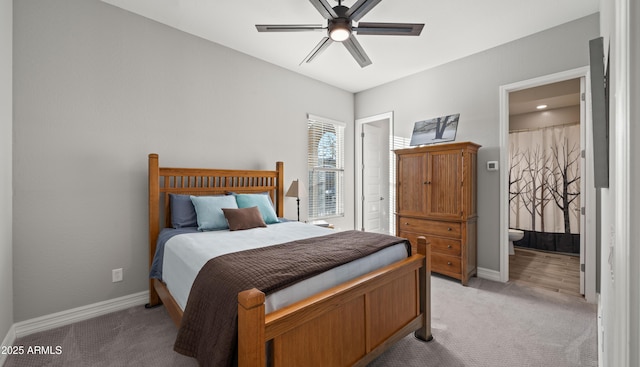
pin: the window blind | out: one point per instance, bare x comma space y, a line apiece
326, 167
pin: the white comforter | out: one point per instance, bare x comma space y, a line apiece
186, 254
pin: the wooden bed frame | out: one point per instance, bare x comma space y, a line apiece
348, 325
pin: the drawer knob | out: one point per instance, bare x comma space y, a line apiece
448, 246
448, 229
406, 223
448, 262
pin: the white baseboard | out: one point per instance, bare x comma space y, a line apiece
489, 274
8, 340
67, 317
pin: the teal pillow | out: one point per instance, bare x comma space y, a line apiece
263, 202
209, 211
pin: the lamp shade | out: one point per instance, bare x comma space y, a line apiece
296, 190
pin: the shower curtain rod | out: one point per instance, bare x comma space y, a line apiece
544, 127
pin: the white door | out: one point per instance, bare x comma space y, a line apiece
375, 182
587, 196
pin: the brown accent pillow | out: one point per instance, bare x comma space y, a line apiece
244, 218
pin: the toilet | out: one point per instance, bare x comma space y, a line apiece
514, 235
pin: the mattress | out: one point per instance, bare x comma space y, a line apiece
185, 254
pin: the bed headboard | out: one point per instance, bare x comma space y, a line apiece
205, 181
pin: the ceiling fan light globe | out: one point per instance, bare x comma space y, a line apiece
339, 34
339, 29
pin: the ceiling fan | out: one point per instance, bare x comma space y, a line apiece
340, 28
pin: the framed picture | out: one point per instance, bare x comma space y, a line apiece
436, 130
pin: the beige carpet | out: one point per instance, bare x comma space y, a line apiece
485, 324
491, 324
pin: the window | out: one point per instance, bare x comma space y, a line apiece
325, 159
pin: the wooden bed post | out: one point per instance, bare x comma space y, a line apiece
424, 248
251, 329
154, 221
280, 190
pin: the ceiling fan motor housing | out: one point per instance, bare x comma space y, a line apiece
339, 28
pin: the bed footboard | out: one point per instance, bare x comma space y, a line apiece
350, 324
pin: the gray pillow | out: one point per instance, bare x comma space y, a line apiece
183, 214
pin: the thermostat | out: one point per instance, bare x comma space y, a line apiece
492, 165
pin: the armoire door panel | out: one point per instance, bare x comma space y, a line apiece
411, 179
444, 186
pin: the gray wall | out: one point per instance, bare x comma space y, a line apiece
470, 86
6, 268
95, 90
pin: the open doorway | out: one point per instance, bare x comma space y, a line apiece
375, 173
546, 184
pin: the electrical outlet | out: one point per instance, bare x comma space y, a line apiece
116, 275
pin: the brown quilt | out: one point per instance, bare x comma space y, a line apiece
209, 329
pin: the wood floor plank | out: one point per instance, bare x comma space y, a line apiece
551, 271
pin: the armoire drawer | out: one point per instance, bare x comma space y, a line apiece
445, 246
446, 229
443, 264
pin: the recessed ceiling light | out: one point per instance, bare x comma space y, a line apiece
541, 107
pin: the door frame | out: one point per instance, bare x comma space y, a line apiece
588, 231
388, 116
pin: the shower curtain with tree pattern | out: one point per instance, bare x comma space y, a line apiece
544, 187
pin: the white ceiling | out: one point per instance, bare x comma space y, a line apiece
553, 95
453, 29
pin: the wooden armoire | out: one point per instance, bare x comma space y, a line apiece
436, 198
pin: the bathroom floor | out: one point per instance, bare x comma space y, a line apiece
552, 271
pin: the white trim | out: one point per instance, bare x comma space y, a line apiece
584, 181
489, 274
504, 189
582, 72
8, 340
621, 179
358, 160
67, 317
599, 333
